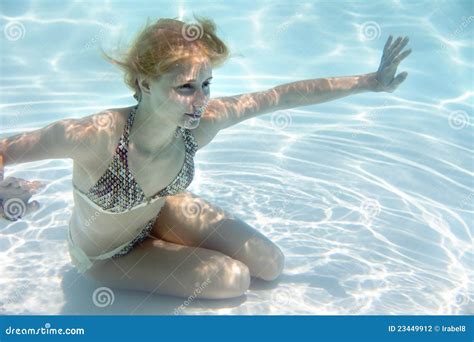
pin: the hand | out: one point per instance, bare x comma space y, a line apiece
384, 79
15, 194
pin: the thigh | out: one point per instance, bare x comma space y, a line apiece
161, 267
190, 220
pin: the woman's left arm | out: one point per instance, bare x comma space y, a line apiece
227, 111
310, 92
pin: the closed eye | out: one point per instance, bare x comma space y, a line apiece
190, 86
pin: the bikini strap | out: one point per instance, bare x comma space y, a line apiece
122, 147
190, 141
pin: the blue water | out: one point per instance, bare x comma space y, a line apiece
370, 197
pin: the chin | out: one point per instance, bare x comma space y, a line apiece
190, 124
194, 126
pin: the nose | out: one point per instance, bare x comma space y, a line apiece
200, 99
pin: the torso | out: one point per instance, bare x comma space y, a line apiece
94, 232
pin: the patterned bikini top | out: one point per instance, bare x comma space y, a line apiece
117, 190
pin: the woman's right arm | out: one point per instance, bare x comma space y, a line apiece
60, 139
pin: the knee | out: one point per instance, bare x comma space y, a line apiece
235, 278
273, 264
265, 259
239, 274
230, 280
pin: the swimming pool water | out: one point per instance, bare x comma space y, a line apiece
370, 197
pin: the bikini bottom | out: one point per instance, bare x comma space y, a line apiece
83, 262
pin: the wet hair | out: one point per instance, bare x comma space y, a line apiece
160, 46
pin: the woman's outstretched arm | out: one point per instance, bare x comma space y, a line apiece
227, 111
45, 143
68, 138
60, 139
315, 91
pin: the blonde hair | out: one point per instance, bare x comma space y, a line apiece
160, 46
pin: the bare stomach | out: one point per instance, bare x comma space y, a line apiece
96, 232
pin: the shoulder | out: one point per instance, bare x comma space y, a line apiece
106, 121
98, 132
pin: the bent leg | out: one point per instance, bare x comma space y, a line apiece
166, 268
189, 220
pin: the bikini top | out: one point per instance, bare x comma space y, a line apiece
117, 190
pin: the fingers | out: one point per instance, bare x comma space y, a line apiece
387, 50
18, 183
387, 44
22, 184
35, 186
14, 198
396, 49
11, 183
9, 180
401, 57
394, 45
15, 193
398, 79
32, 207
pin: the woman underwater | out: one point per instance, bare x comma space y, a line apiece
130, 227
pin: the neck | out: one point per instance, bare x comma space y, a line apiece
150, 133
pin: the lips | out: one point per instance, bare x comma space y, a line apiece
198, 113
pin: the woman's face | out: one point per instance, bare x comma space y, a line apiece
181, 95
